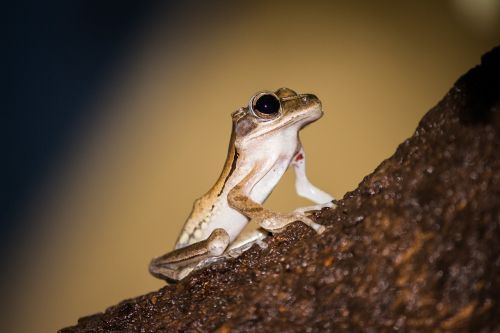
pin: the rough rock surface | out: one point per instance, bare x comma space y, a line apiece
416, 247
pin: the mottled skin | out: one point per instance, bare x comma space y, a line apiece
262, 147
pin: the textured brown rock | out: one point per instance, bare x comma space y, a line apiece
416, 247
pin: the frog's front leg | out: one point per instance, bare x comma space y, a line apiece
304, 187
177, 264
239, 199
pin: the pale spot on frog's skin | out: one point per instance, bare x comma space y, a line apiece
197, 233
184, 238
264, 143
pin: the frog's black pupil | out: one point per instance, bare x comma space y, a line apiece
267, 104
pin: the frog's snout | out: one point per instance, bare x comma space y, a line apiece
312, 102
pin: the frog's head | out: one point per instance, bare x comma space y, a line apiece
270, 113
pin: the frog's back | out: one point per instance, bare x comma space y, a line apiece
206, 207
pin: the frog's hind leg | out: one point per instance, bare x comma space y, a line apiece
245, 241
177, 264
170, 275
241, 244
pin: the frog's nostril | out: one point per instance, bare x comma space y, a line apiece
310, 98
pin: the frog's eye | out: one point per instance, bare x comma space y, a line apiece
265, 105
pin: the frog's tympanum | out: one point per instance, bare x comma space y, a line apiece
264, 142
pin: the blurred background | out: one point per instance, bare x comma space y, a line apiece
118, 117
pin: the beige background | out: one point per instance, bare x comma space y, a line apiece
128, 179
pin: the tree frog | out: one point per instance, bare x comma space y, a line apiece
264, 143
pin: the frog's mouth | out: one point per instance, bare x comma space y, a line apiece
305, 118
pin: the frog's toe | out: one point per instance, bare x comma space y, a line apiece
164, 272
309, 210
276, 224
315, 226
318, 227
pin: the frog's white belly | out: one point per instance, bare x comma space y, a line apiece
226, 218
277, 154
286, 144
233, 221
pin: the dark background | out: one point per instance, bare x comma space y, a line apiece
61, 54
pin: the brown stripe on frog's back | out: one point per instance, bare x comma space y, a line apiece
227, 171
231, 170
204, 206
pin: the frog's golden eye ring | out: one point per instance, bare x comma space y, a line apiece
265, 105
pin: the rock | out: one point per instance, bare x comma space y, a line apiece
416, 247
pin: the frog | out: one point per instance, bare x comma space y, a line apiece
264, 143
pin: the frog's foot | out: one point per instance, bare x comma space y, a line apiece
170, 275
241, 244
277, 222
177, 264
309, 209
245, 241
